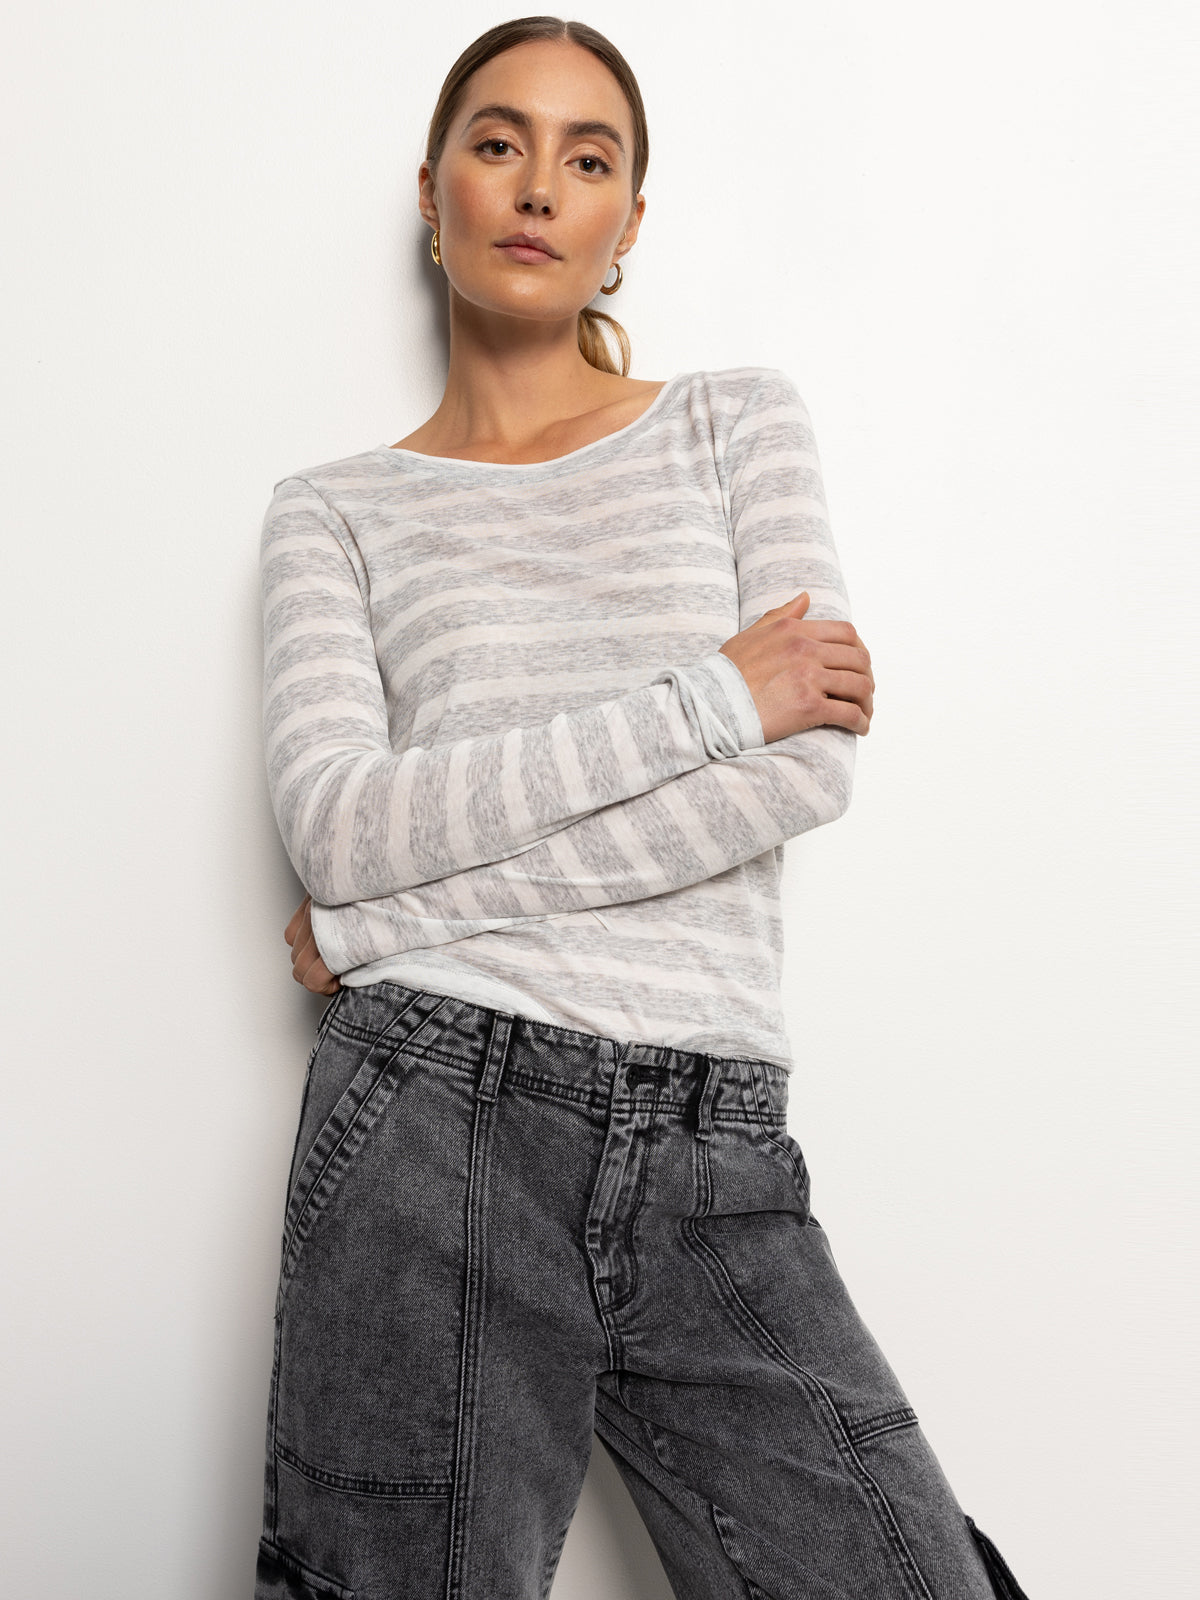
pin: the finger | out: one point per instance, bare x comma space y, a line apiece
312, 980
289, 933
304, 953
311, 971
831, 631
845, 714
843, 658
847, 686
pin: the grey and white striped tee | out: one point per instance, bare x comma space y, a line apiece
505, 754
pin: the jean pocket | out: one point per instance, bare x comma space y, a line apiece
350, 1084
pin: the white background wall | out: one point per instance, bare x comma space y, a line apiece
964, 233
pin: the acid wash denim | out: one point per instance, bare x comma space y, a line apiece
502, 1236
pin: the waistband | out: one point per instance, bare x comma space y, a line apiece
485, 1040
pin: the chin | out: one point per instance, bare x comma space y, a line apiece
532, 304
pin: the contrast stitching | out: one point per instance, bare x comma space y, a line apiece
884, 1422
474, 1303
365, 1483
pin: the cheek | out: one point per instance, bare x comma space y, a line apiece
473, 201
598, 231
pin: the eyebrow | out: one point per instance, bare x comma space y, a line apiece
518, 119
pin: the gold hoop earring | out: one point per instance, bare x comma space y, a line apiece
433, 245
613, 289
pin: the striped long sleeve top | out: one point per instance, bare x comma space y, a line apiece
506, 755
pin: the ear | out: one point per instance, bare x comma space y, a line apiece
426, 204
629, 237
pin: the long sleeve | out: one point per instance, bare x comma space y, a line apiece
704, 821
360, 821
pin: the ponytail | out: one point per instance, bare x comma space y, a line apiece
593, 327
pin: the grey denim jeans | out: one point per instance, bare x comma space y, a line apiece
502, 1237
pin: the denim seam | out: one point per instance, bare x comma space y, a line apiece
884, 1422
552, 1089
352, 1483
352, 1032
474, 1309
827, 1410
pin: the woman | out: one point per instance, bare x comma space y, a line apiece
545, 696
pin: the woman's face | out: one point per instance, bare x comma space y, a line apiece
521, 170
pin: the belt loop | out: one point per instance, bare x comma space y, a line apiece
761, 1092
495, 1058
704, 1110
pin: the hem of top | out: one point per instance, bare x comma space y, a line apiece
554, 461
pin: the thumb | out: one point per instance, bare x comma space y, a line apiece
798, 603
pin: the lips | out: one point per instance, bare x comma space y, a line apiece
529, 241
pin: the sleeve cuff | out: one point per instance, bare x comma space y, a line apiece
740, 707
718, 701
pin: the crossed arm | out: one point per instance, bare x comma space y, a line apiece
361, 821
729, 798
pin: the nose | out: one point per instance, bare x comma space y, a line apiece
537, 191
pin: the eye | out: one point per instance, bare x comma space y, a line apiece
598, 162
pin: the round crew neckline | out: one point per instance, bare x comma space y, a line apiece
552, 461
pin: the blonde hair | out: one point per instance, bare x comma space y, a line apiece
594, 326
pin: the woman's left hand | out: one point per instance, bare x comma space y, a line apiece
307, 966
